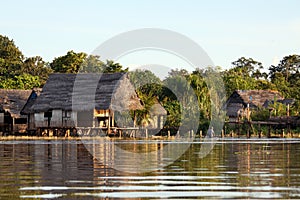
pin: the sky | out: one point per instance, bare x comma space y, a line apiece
263, 30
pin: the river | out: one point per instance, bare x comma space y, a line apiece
67, 169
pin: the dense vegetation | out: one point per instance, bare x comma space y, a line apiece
20, 72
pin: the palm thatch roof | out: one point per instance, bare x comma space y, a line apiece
83, 92
157, 109
239, 100
255, 98
13, 101
30, 101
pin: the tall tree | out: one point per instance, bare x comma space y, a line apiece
69, 63
35, 66
148, 87
92, 64
10, 57
288, 67
245, 74
286, 76
111, 67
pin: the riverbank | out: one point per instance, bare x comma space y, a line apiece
255, 136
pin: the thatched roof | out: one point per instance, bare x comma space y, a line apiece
287, 101
239, 100
13, 101
157, 109
255, 98
30, 101
83, 92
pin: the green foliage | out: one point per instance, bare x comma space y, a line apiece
10, 57
24, 81
111, 67
245, 75
69, 63
92, 64
35, 66
17, 73
174, 118
260, 115
148, 87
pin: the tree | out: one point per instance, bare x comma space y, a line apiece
35, 66
112, 67
245, 75
248, 67
286, 76
69, 63
24, 81
288, 66
10, 57
92, 64
178, 72
148, 87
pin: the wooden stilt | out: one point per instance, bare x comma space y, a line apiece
269, 132
113, 119
108, 125
134, 119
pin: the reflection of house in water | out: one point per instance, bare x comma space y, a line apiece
63, 161
134, 156
11, 103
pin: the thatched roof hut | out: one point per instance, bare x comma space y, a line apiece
157, 109
240, 99
84, 92
13, 101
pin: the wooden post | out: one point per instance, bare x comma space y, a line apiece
222, 133
134, 119
108, 123
269, 132
169, 133
13, 125
113, 119
200, 133
248, 130
146, 133
192, 132
239, 129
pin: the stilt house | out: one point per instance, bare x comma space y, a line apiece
11, 104
72, 101
239, 100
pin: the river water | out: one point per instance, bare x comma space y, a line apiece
67, 169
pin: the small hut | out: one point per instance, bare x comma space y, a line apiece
26, 109
239, 100
158, 115
11, 103
75, 101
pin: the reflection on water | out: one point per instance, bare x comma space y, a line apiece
233, 169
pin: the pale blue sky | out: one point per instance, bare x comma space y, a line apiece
226, 30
